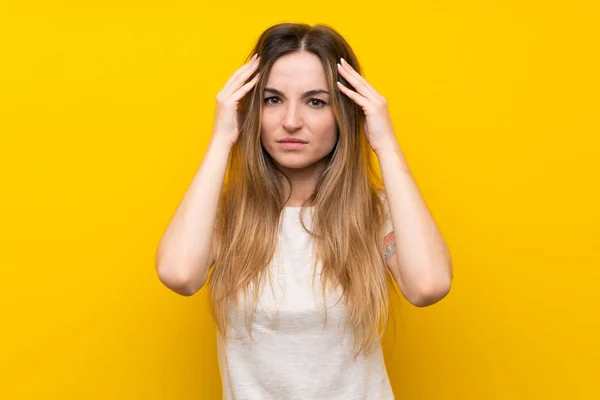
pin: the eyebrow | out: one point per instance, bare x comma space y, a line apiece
306, 94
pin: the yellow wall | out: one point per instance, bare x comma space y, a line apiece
106, 110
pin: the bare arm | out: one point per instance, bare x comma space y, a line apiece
422, 266
186, 250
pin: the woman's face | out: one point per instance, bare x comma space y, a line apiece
290, 110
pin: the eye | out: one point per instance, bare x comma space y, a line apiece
320, 103
269, 98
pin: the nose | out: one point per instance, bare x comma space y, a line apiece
292, 120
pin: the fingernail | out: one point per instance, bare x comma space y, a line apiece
343, 61
254, 56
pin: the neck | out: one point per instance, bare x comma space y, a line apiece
303, 182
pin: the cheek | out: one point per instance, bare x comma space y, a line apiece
268, 124
329, 129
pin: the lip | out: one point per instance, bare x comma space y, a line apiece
292, 140
292, 145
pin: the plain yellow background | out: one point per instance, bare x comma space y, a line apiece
105, 113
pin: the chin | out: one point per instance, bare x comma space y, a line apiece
294, 164
294, 161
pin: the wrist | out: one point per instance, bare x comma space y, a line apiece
220, 144
392, 149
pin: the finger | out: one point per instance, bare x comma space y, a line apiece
358, 99
358, 81
243, 73
241, 80
241, 92
347, 70
239, 71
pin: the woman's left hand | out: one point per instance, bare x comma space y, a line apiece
378, 125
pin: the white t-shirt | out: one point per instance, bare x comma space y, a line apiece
293, 355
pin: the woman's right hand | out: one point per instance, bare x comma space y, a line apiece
225, 126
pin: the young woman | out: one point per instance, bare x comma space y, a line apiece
301, 230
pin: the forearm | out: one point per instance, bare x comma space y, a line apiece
182, 259
424, 265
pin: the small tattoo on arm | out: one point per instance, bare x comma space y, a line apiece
390, 246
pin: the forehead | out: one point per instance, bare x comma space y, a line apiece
297, 71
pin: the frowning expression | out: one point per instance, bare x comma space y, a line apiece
296, 105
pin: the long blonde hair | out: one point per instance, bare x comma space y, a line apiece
348, 209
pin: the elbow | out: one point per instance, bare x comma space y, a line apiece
432, 292
179, 283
